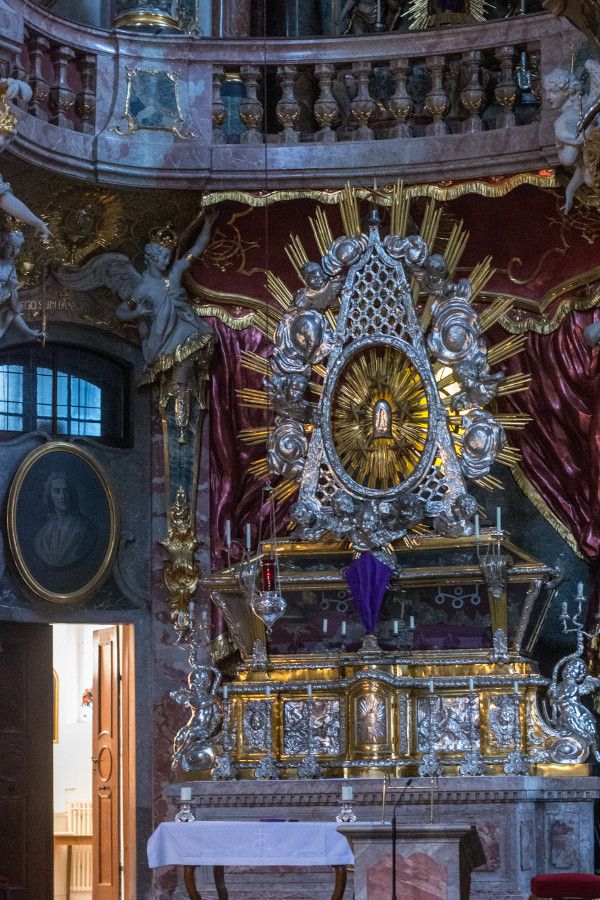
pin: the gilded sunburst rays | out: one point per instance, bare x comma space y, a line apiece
379, 381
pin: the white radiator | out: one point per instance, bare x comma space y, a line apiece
79, 821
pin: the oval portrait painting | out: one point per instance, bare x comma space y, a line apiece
62, 523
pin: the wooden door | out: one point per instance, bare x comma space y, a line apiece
26, 722
105, 785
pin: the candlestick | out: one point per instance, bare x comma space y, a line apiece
471, 685
395, 628
411, 623
402, 605
248, 536
268, 691
431, 685
225, 692
378, 11
228, 532
344, 628
185, 794
516, 687
580, 589
325, 623
477, 526
347, 792
310, 692
498, 519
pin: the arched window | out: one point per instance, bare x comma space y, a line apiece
64, 391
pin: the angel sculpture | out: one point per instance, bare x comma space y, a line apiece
571, 717
13, 89
576, 129
11, 241
191, 750
171, 332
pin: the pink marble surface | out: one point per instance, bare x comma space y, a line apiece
418, 877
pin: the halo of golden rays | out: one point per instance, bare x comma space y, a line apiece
395, 462
374, 459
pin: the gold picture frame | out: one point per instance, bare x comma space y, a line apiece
55, 688
62, 523
152, 103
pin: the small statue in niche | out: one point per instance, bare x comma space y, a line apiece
171, 332
576, 128
363, 16
191, 751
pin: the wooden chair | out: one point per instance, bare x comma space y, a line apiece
571, 886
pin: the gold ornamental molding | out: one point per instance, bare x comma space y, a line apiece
442, 191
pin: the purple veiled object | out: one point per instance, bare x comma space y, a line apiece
368, 579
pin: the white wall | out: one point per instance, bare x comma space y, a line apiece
73, 662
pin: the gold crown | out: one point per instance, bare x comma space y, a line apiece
165, 236
8, 118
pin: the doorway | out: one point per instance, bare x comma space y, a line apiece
94, 768
67, 761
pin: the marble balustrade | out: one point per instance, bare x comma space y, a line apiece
391, 105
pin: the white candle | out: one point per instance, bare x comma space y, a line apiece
431, 685
310, 691
185, 794
225, 692
268, 691
344, 626
580, 589
477, 525
498, 519
347, 793
248, 536
228, 532
471, 685
395, 629
411, 623
325, 626
516, 687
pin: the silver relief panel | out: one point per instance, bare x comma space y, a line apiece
319, 719
446, 724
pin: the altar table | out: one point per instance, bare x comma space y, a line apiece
248, 843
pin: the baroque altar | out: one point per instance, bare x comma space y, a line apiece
389, 633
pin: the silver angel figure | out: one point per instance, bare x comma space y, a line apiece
576, 128
570, 717
170, 331
191, 749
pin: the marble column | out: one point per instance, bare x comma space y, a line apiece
146, 16
292, 18
231, 18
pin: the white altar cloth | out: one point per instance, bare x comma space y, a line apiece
248, 843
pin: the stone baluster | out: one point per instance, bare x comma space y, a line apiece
219, 113
506, 89
251, 110
363, 106
287, 108
62, 95
38, 47
533, 51
20, 72
400, 104
85, 104
472, 94
325, 108
436, 101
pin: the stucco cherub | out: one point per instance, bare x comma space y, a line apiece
576, 128
170, 331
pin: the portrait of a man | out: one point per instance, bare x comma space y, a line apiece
66, 536
62, 523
